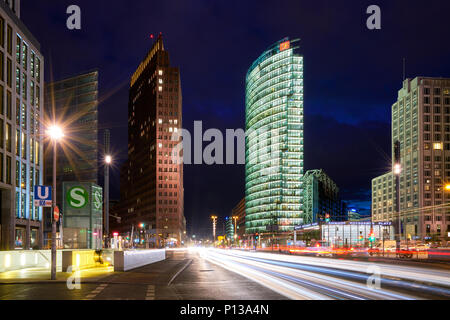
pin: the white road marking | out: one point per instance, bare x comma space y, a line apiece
96, 291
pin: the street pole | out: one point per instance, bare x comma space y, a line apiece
107, 204
397, 172
107, 161
214, 219
53, 270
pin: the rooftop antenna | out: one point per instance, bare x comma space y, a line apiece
404, 69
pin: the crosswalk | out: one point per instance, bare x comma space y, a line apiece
118, 292
150, 293
95, 292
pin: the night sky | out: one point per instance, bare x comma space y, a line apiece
351, 75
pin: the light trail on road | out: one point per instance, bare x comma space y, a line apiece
309, 278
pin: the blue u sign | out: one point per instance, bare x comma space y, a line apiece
42, 193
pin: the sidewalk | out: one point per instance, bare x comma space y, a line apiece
41, 275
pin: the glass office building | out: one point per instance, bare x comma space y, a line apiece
21, 131
274, 140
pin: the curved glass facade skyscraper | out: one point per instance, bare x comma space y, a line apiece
274, 141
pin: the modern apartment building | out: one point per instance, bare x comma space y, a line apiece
421, 123
21, 131
274, 142
152, 179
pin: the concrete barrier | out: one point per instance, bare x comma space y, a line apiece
23, 259
131, 259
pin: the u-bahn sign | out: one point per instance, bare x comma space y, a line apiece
42, 196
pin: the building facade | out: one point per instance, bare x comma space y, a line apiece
152, 179
320, 198
21, 131
239, 212
229, 229
421, 123
274, 141
383, 198
73, 102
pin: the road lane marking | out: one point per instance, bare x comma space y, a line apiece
179, 271
96, 291
150, 293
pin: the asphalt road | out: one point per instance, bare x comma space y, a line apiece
312, 278
209, 274
184, 275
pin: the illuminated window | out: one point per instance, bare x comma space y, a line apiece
160, 145
160, 72
160, 81
437, 146
160, 121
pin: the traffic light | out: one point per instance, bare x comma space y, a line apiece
257, 237
371, 237
327, 217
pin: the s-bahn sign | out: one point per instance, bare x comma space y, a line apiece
77, 197
82, 198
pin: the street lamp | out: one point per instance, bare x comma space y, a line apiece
214, 219
397, 170
108, 161
235, 235
55, 133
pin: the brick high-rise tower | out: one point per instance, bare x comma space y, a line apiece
152, 178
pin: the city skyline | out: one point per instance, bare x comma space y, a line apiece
210, 157
339, 103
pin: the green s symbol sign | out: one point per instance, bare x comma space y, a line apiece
97, 200
77, 197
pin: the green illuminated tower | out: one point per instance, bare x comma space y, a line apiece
274, 140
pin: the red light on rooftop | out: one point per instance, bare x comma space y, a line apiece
285, 45
151, 36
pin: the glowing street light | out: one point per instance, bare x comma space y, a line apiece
55, 133
447, 187
108, 161
235, 222
214, 219
397, 169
